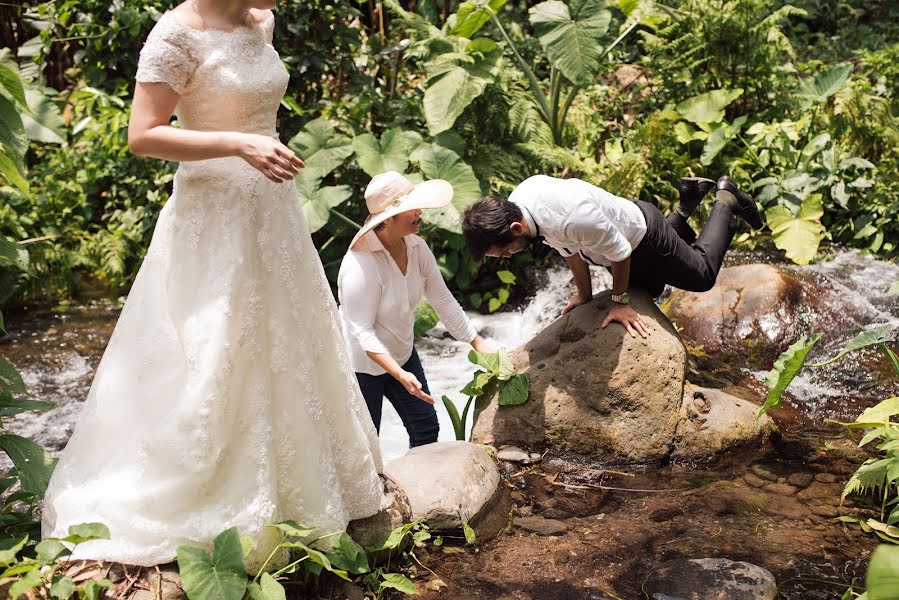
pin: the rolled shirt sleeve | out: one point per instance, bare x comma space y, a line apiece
451, 314
359, 289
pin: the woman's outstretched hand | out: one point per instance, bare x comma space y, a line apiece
272, 158
413, 386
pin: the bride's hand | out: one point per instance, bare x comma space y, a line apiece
272, 158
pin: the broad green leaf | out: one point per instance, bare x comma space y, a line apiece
572, 35
10, 80
219, 577
12, 131
474, 14
514, 391
425, 318
437, 162
786, 367
394, 538
478, 383
346, 554
16, 406
31, 580
506, 277
391, 153
8, 556
267, 589
10, 378
292, 529
708, 107
50, 549
62, 587
879, 413
12, 170
878, 335
714, 144
13, 254
506, 369
882, 580
487, 360
321, 147
455, 81
470, 537
894, 289
45, 123
399, 582
92, 589
826, 83
85, 532
316, 201
34, 464
798, 236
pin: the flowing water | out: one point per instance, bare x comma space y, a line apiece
57, 351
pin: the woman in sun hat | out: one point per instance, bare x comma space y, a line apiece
383, 277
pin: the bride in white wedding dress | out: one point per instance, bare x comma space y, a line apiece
225, 397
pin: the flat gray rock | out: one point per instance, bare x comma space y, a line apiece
541, 526
710, 579
514, 454
447, 483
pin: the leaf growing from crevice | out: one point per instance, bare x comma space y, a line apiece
786, 367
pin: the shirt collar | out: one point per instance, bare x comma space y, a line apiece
533, 229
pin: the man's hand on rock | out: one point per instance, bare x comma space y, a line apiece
575, 301
627, 316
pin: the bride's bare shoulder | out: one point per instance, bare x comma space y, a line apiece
188, 15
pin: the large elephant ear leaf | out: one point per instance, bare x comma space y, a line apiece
826, 83
45, 123
798, 236
474, 14
437, 162
456, 79
391, 153
708, 107
321, 146
572, 35
317, 201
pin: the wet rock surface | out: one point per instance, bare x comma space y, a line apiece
710, 579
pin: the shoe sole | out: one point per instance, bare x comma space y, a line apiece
744, 202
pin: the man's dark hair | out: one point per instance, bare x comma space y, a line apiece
486, 223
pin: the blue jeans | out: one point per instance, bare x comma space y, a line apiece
419, 417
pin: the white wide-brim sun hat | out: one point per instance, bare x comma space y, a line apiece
390, 194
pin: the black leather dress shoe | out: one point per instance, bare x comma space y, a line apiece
745, 208
691, 191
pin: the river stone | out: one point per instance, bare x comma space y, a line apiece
710, 579
514, 454
713, 421
541, 525
755, 312
371, 530
447, 483
593, 390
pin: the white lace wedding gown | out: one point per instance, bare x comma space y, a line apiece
225, 398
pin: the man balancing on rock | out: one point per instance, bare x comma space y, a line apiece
590, 226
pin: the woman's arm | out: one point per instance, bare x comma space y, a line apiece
149, 134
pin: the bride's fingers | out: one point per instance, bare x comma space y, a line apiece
284, 164
294, 160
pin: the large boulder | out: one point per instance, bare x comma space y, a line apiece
755, 312
603, 393
593, 390
448, 484
374, 529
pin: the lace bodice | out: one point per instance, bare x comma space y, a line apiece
228, 80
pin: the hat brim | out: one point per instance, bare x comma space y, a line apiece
435, 193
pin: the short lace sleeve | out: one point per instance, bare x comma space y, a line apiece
268, 26
166, 56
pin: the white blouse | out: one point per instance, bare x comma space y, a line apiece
378, 302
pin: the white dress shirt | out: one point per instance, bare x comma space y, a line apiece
378, 302
576, 217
